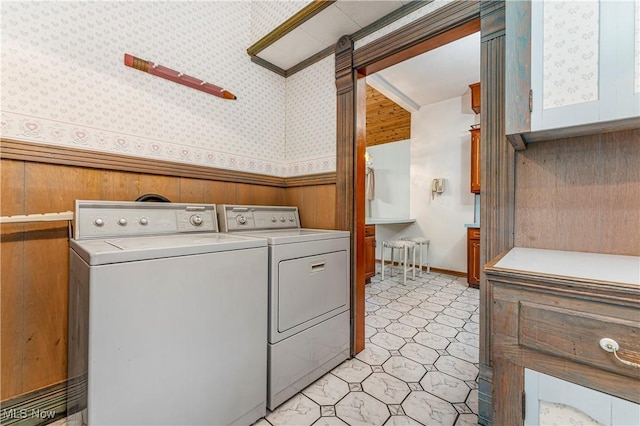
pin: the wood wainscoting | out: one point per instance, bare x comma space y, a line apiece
35, 257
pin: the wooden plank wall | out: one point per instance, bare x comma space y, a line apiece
580, 194
386, 120
34, 286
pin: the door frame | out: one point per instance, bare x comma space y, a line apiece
497, 156
449, 23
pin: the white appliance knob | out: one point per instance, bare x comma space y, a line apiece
143, 221
273, 219
99, 222
290, 218
281, 218
195, 220
122, 221
241, 219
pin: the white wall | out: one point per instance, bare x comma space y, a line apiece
391, 163
440, 147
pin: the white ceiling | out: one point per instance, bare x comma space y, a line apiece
440, 74
325, 28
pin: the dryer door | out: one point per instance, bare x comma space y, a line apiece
311, 287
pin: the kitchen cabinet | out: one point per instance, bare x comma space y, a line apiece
369, 252
473, 257
571, 65
550, 310
475, 160
475, 97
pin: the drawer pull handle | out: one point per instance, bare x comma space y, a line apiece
611, 345
317, 267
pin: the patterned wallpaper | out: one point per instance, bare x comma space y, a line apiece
570, 50
311, 119
64, 82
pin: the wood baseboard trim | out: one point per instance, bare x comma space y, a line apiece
52, 154
432, 268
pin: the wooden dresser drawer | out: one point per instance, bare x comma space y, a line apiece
370, 231
473, 233
575, 335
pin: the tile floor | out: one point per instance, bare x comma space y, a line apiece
419, 365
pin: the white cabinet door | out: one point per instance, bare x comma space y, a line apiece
580, 58
583, 57
550, 400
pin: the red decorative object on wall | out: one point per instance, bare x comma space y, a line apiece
176, 76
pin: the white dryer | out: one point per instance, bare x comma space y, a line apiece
309, 325
167, 317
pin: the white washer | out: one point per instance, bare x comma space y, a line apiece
309, 326
167, 317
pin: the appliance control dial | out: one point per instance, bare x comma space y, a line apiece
143, 221
99, 222
273, 219
195, 220
122, 221
281, 218
241, 219
290, 218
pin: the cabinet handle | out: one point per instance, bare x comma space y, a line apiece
610, 345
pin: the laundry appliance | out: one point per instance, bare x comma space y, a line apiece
309, 294
167, 317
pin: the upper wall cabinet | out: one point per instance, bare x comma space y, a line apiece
573, 66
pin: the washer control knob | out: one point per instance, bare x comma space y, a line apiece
143, 221
291, 218
241, 219
281, 218
195, 220
98, 222
273, 219
122, 221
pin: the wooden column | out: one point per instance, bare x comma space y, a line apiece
350, 178
497, 205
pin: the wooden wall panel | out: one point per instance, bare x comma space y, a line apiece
316, 205
220, 192
580, 194
11, 278
119, 186
35, 256
49, 188
191, 190
386, 120
260, 195
167, 186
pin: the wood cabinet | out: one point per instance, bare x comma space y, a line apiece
473, 257
369, 252
475, 97
570, 65
475, 160
550, 315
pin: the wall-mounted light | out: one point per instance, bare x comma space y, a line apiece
368, 159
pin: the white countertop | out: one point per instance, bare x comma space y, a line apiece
595, 266
387, 220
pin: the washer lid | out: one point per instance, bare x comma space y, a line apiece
117, 250
288, 236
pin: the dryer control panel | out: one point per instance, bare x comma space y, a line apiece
107, 219
253, 218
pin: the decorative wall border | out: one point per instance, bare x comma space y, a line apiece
52, 154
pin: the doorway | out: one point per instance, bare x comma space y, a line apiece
449, 23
